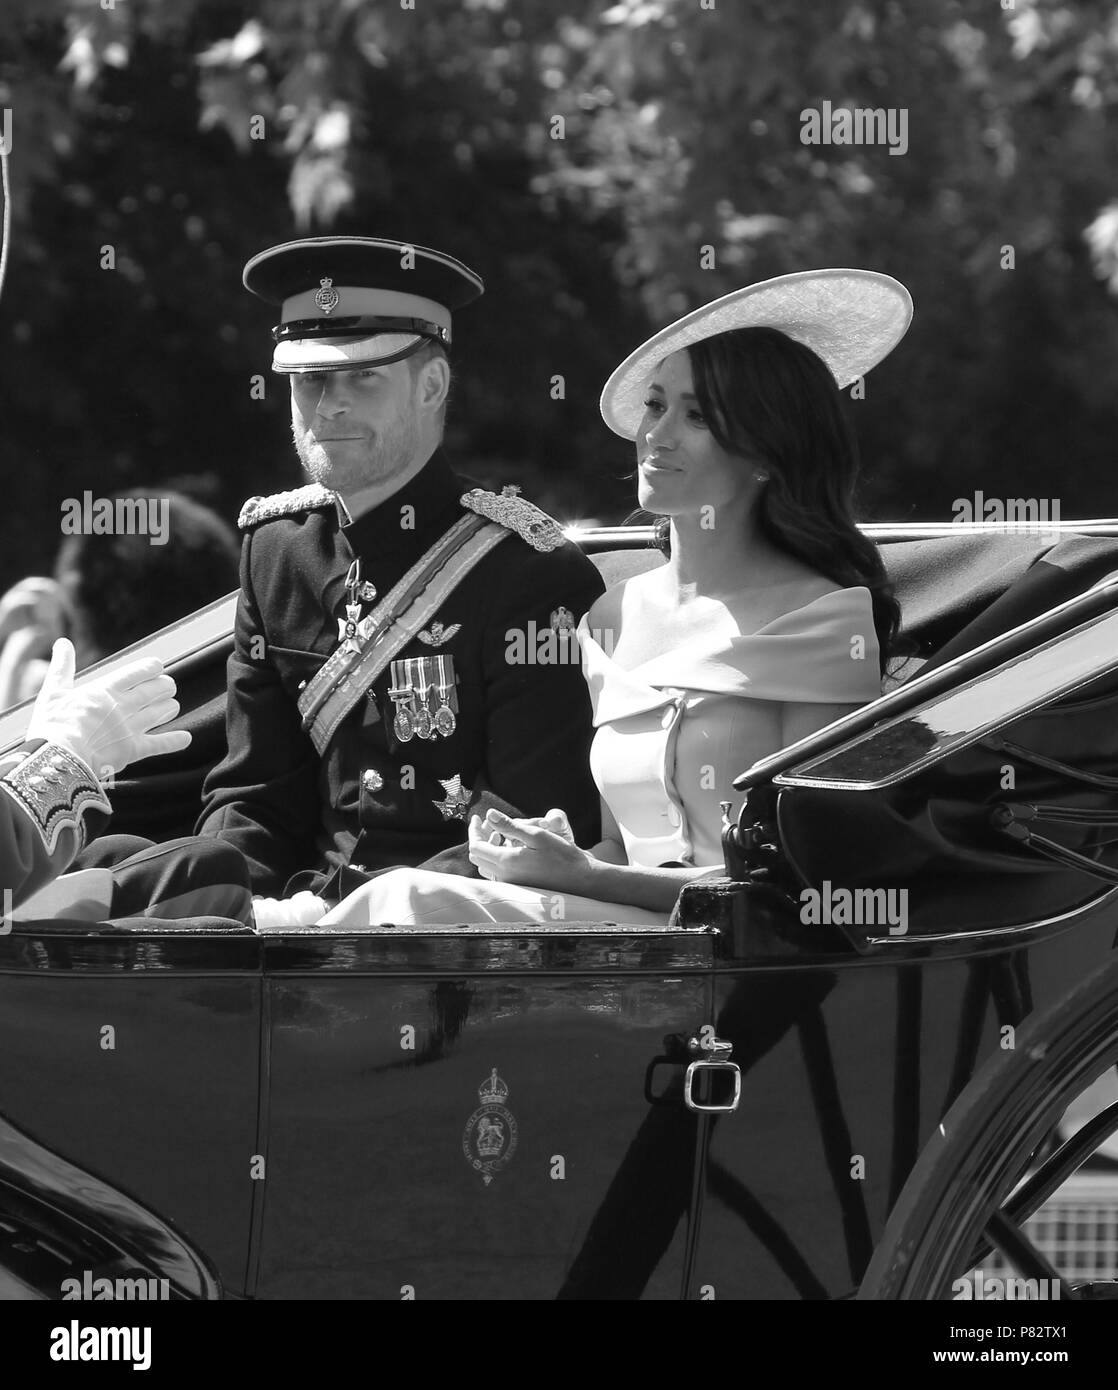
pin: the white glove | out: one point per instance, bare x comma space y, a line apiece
273, 914
107, 722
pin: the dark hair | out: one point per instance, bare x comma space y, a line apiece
770, 399
121, 587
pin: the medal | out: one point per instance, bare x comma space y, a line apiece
445, 722
423, 691
413, 718
350, 628
404, 724
353, 630
419, 672
360, 590
402, 696
457, 799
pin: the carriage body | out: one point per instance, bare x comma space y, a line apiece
725, 1107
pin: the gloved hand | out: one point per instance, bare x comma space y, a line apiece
302, 910
107, 722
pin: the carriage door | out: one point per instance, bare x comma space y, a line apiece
483, 1113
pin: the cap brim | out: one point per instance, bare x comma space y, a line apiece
852, 319
340, 354
295, 266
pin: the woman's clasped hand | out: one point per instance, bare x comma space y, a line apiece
539, 851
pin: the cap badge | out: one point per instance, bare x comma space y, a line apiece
327, 297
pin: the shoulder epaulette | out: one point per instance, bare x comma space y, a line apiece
300, 499
542, 532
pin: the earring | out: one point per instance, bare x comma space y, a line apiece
760, 477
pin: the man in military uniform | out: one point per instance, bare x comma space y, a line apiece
385, 682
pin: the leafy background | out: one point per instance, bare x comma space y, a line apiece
131, 125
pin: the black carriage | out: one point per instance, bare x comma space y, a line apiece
767, 1098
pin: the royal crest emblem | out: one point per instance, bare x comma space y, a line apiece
327, 298
489, 1139
562, 620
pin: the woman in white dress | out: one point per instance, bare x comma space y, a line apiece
768, 621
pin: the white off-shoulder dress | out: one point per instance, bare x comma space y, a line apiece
672, 734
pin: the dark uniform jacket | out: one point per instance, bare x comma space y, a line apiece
372, 801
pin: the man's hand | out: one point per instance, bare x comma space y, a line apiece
537, 852
107, 722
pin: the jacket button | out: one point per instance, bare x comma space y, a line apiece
371, 780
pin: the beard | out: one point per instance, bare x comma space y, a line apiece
388, 453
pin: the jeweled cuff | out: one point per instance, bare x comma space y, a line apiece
56, 789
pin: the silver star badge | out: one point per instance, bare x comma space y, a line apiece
457, 799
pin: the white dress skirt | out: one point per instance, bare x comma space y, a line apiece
671, 735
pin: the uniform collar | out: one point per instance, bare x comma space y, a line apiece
433, 496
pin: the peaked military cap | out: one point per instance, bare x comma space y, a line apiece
357, 301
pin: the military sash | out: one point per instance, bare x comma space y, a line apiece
395, 621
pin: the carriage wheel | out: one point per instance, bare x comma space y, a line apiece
965, 1195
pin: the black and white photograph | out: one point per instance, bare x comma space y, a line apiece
559, 669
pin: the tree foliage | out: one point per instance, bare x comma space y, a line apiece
581, 157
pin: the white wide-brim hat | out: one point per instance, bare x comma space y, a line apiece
850, 318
